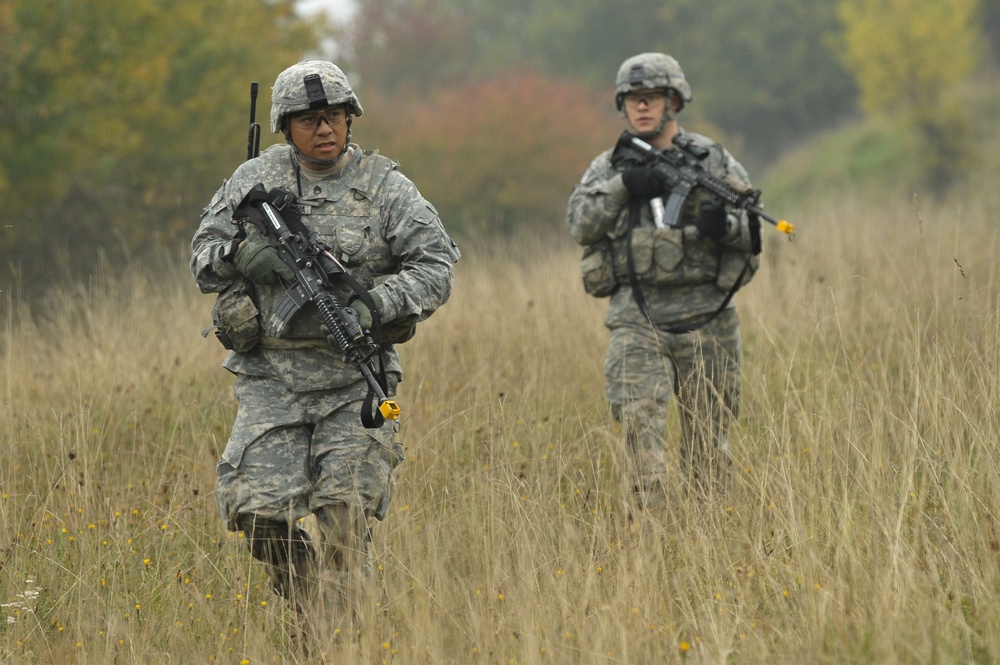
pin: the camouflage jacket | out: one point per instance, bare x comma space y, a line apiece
387, 235
683, 276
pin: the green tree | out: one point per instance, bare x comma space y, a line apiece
991, 27
121, 119
765, 71
399, 45
908, 58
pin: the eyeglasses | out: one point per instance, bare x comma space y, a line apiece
311, 119
647, 97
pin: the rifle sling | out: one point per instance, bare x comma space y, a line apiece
371, 417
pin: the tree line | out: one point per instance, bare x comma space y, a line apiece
121, 119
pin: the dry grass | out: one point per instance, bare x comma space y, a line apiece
862, 526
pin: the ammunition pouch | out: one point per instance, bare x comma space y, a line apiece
657, 256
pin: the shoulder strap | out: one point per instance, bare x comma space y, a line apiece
380, 168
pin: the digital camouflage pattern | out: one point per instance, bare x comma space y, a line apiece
292, 453
298, 446
679, 270
289, 94
644, 370
684, 279
650, 71
385, 233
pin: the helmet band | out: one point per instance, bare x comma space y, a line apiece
314, 91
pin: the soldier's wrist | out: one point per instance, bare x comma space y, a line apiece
228, 251
222, 263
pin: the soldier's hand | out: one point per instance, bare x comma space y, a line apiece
712, 222
260, 262
364, 314
645, 182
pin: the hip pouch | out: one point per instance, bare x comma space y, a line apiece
736, 269
598, 269
235, 318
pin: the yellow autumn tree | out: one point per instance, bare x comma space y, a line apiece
908, 58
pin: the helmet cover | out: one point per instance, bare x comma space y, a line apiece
310, 84
651, 71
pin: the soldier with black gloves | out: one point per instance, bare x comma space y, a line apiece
674, 330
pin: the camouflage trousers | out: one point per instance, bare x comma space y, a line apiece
291, 455
647, 369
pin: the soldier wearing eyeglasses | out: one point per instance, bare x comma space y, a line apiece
298, 446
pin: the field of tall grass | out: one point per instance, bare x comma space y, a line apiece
862, 525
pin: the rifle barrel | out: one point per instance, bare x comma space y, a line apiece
780, 224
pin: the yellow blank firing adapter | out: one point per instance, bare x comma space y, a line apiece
389, 409
780, 224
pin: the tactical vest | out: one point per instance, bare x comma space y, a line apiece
345, 213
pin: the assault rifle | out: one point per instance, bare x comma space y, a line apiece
685, 172
316, 271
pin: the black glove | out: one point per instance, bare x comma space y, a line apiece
712, 219
645, 182
260, 262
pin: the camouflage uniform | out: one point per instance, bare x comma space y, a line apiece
684, 279
298, 446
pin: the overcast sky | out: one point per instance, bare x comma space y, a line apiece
339, 9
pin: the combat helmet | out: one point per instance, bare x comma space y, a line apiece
310, 84
651, 71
